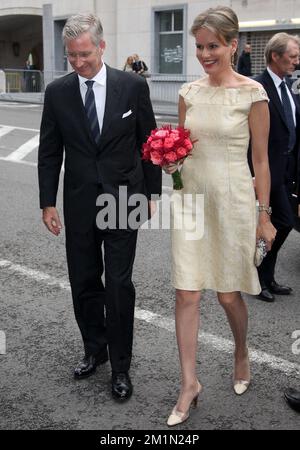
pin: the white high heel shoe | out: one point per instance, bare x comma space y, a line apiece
240, 386
176, 417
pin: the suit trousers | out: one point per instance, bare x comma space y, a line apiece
104, 311
282, 219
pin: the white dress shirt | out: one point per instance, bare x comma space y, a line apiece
99, 88
277, 81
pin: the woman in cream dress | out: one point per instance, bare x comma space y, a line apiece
221, 110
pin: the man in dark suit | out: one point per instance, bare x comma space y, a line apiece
282, 56
244, 62
98, 117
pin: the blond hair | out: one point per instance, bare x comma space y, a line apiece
222, 21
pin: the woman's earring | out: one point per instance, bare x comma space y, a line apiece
232, 59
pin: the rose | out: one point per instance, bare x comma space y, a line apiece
168, 143
181, 152
162, 134
156, 158
146, 152
175, 136
171, 157
188, 144
156, 145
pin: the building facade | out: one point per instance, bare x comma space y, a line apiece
158, 30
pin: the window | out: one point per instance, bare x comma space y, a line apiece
169, 41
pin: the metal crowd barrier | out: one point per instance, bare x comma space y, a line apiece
19, 81
30, 84
164, 88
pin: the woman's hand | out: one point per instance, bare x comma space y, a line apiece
172, 167
266, 230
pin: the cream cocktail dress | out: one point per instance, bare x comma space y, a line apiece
214, 238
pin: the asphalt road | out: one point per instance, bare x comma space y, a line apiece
43, 343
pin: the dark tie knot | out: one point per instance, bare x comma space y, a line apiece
89, 84
283, 85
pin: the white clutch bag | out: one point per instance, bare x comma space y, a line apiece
260, 252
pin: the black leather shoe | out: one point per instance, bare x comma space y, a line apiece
266, 295
121, 387
292, 396
88, 365
279, 289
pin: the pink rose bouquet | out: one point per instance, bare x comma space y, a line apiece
165, 146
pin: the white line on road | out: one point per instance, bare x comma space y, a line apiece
26, 163
23, 150
18, 105
21, 128
33, 164
218, 343
5, 130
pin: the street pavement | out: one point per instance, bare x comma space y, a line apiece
37, 389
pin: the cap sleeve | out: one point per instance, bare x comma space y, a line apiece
185, 88
259, 94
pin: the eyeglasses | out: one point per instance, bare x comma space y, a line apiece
81, 55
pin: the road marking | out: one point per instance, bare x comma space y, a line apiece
218, 343
26, 163
2, 343
20, 153
5, 130
18, 105
23, 150
33, 164
21, 128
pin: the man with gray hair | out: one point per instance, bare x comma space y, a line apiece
282, 56
98, 117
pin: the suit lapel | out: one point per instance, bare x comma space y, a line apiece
296, 101
112, 103
113, 94
289, 83
297, 104
273, 94
75, 101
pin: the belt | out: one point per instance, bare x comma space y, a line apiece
289, 152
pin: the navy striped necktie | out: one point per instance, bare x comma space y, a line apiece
91, 111
288, 112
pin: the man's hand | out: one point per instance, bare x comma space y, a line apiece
51, 220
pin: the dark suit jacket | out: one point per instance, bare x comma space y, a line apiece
279, 132
296, 97
115, 161
244, 64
